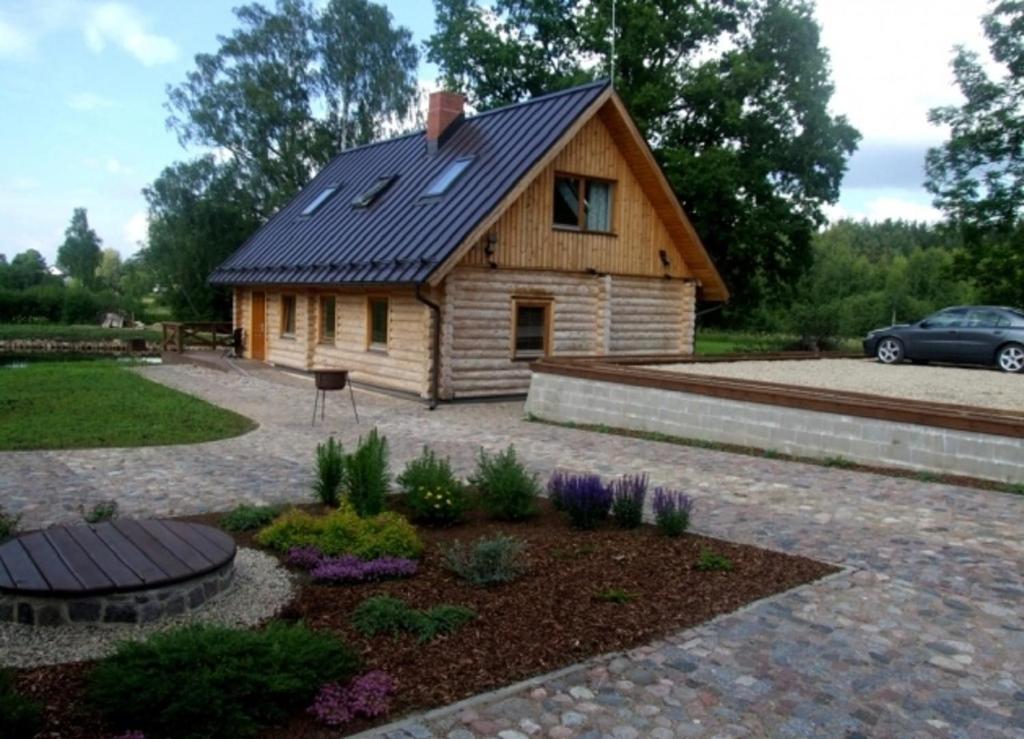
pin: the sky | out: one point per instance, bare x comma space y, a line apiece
83, 86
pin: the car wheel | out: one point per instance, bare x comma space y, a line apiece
890, 351
1011, 358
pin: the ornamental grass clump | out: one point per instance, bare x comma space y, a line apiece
330, 472
586, 499
508, 490
367, 696
250, 517
432, 490
213, 681
672, 511
341, 532
628, 495
488, 561
367, 476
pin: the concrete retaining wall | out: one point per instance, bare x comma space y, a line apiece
788, 430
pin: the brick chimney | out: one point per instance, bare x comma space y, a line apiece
446, 109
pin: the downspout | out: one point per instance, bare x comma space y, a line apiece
435, 365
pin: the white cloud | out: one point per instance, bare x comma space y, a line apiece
120, 25
136, 230
14, 42
895, 208
88, 101
890, 61
115, 166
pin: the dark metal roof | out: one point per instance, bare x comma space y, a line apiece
403, 237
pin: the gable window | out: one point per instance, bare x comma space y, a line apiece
328, 318
530, 328
377, 329
319, 200
374, 191
445, 180
288, 315
583, 203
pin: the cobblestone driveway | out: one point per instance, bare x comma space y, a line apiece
922, 635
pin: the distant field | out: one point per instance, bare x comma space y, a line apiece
739, 342
75, 405
57, 332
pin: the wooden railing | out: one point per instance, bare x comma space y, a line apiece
209, 335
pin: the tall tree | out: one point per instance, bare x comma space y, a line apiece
260, 97
977, 176
79, 255
198, 215
26, 269
732, 94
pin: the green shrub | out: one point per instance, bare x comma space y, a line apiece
105, 511
330, 472
383, 614
212, 681
20, 717
488, 561
710, 561
508, 491
432, 491
344, 532
249, 517
8, 524
615, 595
366, 475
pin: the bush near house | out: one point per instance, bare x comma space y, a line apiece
431, 489
367, 476
343, 531
508, 490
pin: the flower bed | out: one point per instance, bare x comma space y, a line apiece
464, 615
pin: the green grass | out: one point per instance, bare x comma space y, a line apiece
74, 405
743, 342
58, 332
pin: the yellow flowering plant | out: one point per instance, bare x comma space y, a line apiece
432, 491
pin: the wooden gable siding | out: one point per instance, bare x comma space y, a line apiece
526, 238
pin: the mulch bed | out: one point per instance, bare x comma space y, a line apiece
549, 618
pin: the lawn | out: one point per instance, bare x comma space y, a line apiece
73, 405
742, 342
59, 332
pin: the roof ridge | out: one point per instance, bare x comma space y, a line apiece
539, 98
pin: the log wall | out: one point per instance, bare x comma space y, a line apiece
590, 313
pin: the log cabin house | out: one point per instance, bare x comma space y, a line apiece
441, 263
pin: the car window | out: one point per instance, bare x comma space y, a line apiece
981, 318
946, 319
1017, 317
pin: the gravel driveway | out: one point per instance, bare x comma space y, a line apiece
976, 386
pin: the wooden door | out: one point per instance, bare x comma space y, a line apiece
258, 331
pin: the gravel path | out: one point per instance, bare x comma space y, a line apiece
260, 589
962, 385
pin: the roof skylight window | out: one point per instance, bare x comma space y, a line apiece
374, 191
319, 200
445, 180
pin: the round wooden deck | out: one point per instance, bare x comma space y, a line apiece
112, 557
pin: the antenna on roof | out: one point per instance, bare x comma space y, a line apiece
613, 45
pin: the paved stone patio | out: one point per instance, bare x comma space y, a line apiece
921, 635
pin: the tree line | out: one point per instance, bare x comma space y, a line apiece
733, 97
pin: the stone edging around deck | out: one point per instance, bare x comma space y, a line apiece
137, 607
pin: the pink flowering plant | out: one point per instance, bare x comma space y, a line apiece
349, 568
367, 696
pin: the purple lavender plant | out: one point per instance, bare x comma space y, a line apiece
367, 696
305, 557
586, 499
628, 495
350, 569
672, 510
556, 485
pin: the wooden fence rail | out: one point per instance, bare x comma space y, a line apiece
209, 335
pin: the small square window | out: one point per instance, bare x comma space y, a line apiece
530, 330
319, 200
378, 316
583, 204
328, 319
445, 180
287, 315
